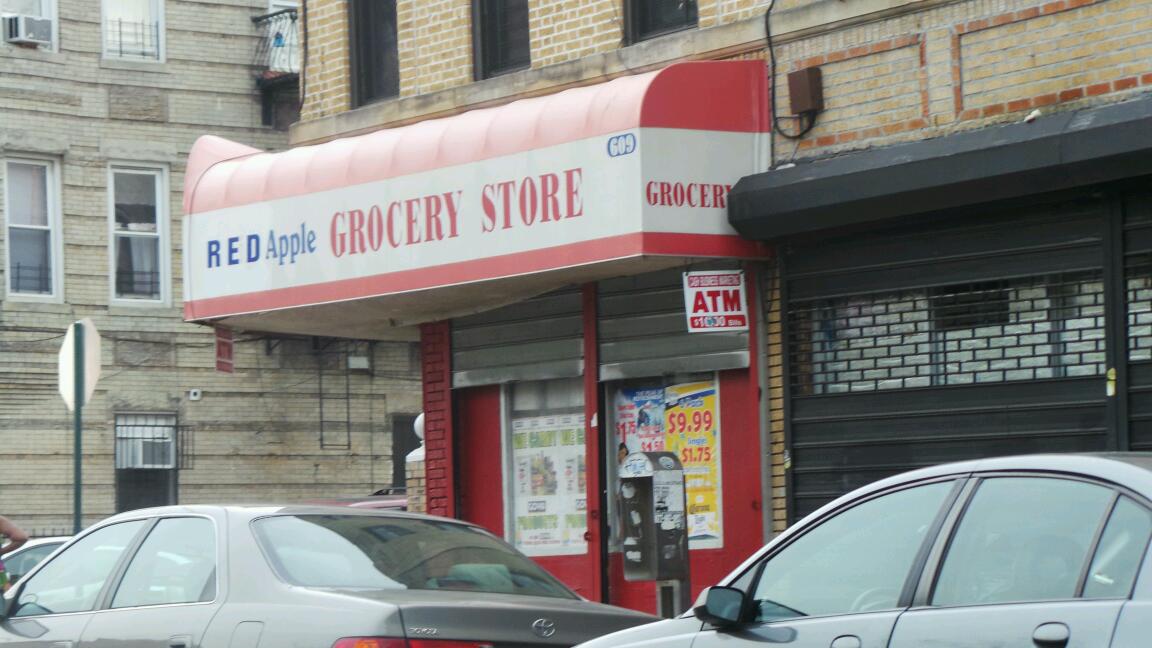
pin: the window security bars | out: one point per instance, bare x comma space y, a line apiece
34, 279
985, 332
130, 39
149, 441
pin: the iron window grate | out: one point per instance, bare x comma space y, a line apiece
1030, 328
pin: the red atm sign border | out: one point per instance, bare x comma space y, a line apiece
715, 301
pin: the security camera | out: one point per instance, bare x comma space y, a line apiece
194, 394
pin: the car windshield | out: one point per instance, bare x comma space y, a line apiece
360, 551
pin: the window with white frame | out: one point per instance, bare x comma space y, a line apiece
145, 441
138, 231
133, 29
32, 227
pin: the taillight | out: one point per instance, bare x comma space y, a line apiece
369, 642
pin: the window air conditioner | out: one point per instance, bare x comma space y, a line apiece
28, 29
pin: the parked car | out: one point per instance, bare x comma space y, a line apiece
333, 577
1034, 551
21, 561
392, 499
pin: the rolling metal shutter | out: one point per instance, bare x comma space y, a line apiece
536, 339
643, 330
945, 337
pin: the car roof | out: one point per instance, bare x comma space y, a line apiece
252, 511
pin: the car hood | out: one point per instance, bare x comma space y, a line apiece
502, 618
668, 632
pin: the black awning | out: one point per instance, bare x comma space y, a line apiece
1060, 151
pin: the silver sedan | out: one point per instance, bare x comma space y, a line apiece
329, 577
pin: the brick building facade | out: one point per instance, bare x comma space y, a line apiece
79, 114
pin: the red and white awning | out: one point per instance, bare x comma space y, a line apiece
456, 215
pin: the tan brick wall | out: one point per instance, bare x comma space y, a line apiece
326, 71
435, 42
417, 487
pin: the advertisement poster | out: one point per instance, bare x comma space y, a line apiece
550, 497
683, 419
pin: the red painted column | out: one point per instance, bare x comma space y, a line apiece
436, 369
592, 460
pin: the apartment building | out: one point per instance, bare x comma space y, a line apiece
100, 102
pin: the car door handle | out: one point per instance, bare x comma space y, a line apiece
1051, 635
846, 641
180, 641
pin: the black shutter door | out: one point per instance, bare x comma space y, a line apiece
941, 338
1138, 293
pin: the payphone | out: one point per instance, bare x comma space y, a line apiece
654, 525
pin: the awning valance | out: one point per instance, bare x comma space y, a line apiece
465, 213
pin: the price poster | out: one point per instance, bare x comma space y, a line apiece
683, 419
692, 431
551, 494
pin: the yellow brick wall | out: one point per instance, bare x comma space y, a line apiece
435, 42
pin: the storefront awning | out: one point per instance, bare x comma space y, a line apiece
470, 212
1061, 151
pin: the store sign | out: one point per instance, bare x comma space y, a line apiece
638, 193
715, 301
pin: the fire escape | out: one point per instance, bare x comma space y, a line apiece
277, 65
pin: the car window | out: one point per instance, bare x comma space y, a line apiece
354, 551
856, 561
72, 580
1022, 539
1120, 551
176, 563
22, 561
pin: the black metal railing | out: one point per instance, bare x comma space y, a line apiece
151, 442
278, 48
126, 39
139, 284
36, 279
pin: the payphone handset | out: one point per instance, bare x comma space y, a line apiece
654, 534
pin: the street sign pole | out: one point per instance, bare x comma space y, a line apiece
77, 424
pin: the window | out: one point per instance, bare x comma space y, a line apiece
139, 225
650, 18
404, 441
21, 562
397, 553
375, 64
145, 441
134, 29
33, 228
73, 580
175, 564
1021, 539
1120, 551
857, 561
546, 451
501, 36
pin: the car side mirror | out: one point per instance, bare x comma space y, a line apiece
722, 606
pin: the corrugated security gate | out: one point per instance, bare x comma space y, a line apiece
967, 334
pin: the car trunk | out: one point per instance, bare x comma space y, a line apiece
503, 620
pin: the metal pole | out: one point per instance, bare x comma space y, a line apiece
77, 423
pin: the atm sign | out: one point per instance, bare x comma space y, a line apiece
715, 301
